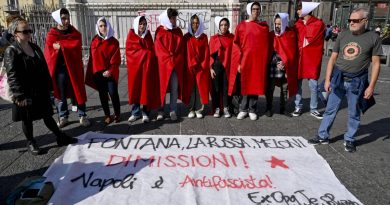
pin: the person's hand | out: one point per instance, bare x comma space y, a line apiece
368, 92
239, 69
106, 74
22, 103
280, 65
213, 74
56, 46
327, 86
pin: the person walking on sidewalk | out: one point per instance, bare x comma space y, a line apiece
30, 83
347, 75
310, 32
103, 68
64, 58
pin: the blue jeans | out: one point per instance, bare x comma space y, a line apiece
313, 84
173, 94
334, 101
136, 110
62, 83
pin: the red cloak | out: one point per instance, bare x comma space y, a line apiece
103, 55
142, 71
222, 44
252, 50
310, 56
198, 67
169, 50
287, 48
71, 50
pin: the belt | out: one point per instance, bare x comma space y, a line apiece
347, 79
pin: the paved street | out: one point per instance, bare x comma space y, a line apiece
366, 173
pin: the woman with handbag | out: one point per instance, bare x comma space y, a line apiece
103, 68
30, 84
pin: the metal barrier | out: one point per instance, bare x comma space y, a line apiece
386, 54
121, 15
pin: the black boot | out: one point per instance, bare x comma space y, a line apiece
63, 139
33, 148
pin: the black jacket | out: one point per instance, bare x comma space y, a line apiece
29, 79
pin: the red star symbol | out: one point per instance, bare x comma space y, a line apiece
277, 162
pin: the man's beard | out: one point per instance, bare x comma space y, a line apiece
277, 30
360, 31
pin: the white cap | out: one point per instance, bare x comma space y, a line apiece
284, 20
164, 19
200, 28
57, 16
308, 7
217, 20
110, 31
249, 8
135, 27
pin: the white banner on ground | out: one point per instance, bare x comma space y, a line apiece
194, 170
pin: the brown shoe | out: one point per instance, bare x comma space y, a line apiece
107, 120
117, 118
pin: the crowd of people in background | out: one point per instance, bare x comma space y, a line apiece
246, 65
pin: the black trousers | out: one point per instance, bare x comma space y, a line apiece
195, 103
219, 86
107, 86
27, 127
270, 92
63, 81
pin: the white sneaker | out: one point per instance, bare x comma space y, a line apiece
145, 119
241, 115
133, 118
160, 116
199, 115
63, 122
216, 114
173, 116
226, 113
84, 121
191, 114
74, 108
253, 116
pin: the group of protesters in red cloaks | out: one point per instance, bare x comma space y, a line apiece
188, 67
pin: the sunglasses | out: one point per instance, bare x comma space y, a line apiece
355, 20
25, 32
